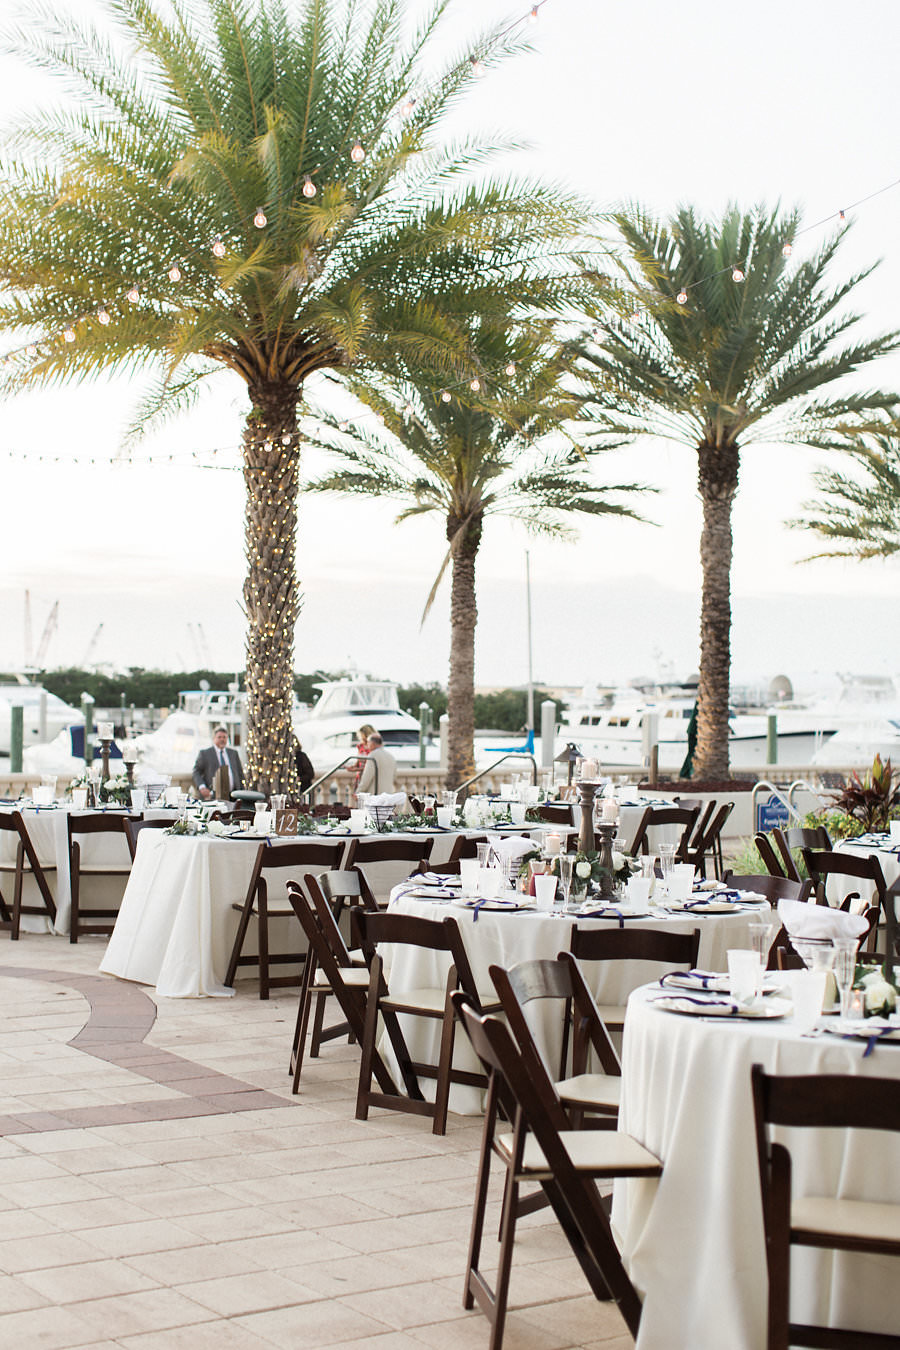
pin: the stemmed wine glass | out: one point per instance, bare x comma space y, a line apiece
566, 863
845, 950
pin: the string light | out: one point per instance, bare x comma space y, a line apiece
736, 273
218, 247
357, 153
133, 294
406, 108
69, 334
343, 426
787, 249
478, 67
533, 16
309, 188
445, 395
681, 297
510, 368
260, 220
103, 316
475, 385
174, 272
31, 350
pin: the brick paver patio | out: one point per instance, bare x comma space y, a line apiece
160, 1189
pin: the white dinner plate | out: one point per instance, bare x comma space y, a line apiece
697, 1006
431, 893
500, 903
702, 907
865, 1030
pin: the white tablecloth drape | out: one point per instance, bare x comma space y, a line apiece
693, 1241
506, 939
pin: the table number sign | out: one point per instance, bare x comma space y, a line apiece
286, 821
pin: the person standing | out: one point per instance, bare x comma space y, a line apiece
379, 767
305, 771
220, 755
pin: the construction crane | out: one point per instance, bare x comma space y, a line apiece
91, 647
49, 629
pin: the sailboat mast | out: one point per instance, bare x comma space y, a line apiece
530, 706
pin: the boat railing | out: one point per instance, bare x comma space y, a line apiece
517, 755
783, 795
328, 773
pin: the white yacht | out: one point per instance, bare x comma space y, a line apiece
44, 716
328, 731
867, 715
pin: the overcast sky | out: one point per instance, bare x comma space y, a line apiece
701, 103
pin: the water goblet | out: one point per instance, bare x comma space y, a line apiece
845, 950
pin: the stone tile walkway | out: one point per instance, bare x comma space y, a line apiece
160, 1189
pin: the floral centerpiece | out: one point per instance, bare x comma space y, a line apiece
879, 996
589, 870
116, 789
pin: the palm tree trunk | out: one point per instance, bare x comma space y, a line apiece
271, 478
717, 480
463, 618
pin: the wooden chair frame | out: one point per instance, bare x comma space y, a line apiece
828, 862
846, 1101
11, 915
93, 920
275, 858
633, 944
686, 816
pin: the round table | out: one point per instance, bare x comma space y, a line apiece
693, 1241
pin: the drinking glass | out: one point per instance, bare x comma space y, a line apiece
759, 934
566, 863
807, 995
449, 799
845, 950
743, 969
469, 871
667, 861
544, 890
482, 852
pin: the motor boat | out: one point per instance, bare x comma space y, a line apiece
44, 714
328, 731
867, 714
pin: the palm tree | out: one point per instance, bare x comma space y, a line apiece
859, 516
253, 187
497, 446
730, 343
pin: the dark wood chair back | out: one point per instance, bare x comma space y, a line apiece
12, 822
636, 944
133, 828
710, 842
94, 918
684, 816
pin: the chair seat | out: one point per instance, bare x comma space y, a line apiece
275, 909
613, 1014
105, 869
357, 976
591, 1089
594, 1151
863, 1219
11, 866
417, 1000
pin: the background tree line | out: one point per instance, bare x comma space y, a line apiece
503, 710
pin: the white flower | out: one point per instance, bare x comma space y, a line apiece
880, 997
583, 870
618, 861
216, 827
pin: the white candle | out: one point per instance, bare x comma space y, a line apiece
105, 731
589, 769
553, 843
129, 752
610, 810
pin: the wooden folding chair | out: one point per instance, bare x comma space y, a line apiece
406, 855
685, 816
790, 842
710, 842
431, 1003
26, 864
134, 827
348, 983
822, 864
845, 1102
566, 1163
275, 858
678, 950
94, 918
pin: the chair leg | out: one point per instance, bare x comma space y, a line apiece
315, 1043
75, 888
370, 1026
299, 1043
17, 896
504, 1268
445, 1061
240, 935
474, 1278
262, 910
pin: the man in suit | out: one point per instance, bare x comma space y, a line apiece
219, 755
379, 767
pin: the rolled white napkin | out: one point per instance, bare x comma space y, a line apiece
803, 920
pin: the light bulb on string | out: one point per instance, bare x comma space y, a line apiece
133, 295
286, 438
406, 107
69, 334
475, 385
174, 272
737, 273
510, 368
218, 247
445, 395
103, 316
787, 249
681, 297
357, 153
343, 426
309, 188
31, 350
842, 214
478, 67
533, 16
260, 220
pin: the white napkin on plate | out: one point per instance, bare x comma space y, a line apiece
803, 920
512, 847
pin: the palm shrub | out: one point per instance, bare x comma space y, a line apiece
248, 186
857, 514
730, 343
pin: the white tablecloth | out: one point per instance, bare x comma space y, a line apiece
506, 939
693, 1241
48, 831
176, 924
888, 855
